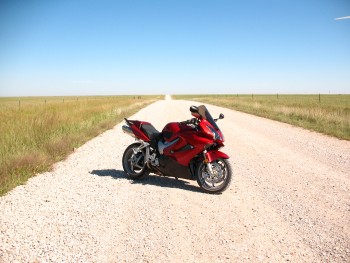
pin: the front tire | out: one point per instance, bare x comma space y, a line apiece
134, 162
217, 181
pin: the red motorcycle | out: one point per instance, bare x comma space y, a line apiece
188, 149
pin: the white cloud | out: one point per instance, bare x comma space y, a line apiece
341, 18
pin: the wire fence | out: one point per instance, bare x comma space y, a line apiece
21, 102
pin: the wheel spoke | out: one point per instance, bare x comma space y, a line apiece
138, 166
138, 159
137, 162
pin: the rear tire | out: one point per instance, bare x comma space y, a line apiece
217, 182
134, 162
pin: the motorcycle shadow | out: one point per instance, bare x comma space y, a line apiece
162, 181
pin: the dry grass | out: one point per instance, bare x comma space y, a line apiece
328, 114
36, 132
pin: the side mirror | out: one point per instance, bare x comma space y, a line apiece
194, 109
221, 116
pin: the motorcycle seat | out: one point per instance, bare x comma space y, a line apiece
151, 132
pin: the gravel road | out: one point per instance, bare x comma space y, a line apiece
289, 201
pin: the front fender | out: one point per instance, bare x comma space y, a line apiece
214, 155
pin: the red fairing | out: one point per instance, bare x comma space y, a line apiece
184, 157
172, 130
214, 155
185, 135
136, 129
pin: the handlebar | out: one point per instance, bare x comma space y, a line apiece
193, 121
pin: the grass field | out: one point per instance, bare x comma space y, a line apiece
36, 132
328, 114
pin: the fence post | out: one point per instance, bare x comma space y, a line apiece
319, 97
19, 103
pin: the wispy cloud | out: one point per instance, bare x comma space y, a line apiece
341, 18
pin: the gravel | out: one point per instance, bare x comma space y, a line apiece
289, 201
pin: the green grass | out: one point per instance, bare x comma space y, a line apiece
39, 131
328, 114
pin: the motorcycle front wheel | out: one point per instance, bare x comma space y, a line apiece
134, 162
216, 181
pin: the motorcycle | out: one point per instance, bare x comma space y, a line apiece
188, 149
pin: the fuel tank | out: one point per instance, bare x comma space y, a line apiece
172, 130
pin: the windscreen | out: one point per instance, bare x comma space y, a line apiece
204, 113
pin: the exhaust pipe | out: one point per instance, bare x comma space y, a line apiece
128, 131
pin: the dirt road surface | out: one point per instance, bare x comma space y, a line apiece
289, 201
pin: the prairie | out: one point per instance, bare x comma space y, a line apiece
327, 114
38, 131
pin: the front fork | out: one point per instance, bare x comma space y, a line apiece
206, 161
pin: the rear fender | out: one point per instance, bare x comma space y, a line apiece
214, 155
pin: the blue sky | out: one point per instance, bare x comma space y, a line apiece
102, 47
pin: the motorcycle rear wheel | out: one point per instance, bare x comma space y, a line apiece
219, 180
134, 162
